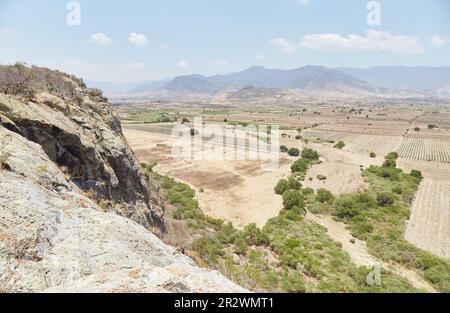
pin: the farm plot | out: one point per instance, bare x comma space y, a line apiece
425, 150
341, 178
363, 144
324, 135
429, 225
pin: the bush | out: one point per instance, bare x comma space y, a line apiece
346, 207
298, 137
324, 196
292, 198
416, 174
372, 155
308, 191
432, 126
387, 172
390, 163
281, 187
185, 120
293, 183
284, 149
310, 154
385, 198
322, 177
300, 165
294, 152
340, 145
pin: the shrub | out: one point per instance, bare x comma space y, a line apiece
281, 187
417, 174
322, 177
292, 198
340, 145
372, 155
390, 163
148, 167
294, 152
417, 129
284, 149
254, 236
346, 207
208, 248
300, 165
392, 155
308, 191
387, 172
385, 198
185, 120
293, 183
432, 126
310, 154
324, 196
298, 137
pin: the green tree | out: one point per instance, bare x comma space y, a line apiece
292, 198
281, 187
324, 196
310, 154
294, 152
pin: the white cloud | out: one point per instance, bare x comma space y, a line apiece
163, 47
258, 57
438, 41
7, 31
284, 45
373, 41
218, 62
133, 66
100, 38
183, 64
138, 39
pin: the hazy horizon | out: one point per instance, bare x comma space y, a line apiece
150, 40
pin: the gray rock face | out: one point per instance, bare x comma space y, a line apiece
55, 239
75, 211
81, 135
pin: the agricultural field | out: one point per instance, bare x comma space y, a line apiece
240, 193
429, 225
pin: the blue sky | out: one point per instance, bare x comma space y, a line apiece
137, 40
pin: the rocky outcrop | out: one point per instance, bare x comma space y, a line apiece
75, 211
53, 238
78, 131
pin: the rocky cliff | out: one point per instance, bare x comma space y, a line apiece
75, 210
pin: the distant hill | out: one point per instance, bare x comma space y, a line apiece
309, 80
420, 78
304, 78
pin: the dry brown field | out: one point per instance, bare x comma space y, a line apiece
238, 191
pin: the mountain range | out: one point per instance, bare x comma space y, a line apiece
387, 80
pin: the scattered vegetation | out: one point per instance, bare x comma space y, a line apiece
378, 216
340, 145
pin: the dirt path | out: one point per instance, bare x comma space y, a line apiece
359, 253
